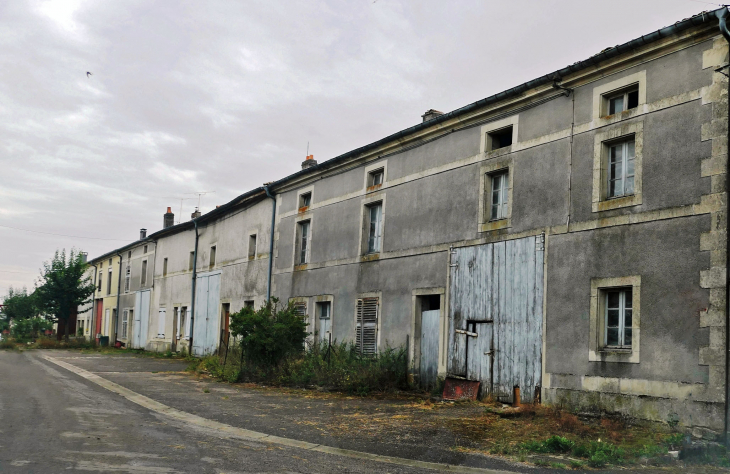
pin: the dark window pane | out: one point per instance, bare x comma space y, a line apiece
612, 319
627, 337
633, 99
613, 299
628, 318
628, 300
612, 337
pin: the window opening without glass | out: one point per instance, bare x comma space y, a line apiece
252, 246
618, 318
621, 169
500, 138
212, 256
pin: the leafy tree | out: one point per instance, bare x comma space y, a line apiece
30, 328
269, 334
19, 304
64, 287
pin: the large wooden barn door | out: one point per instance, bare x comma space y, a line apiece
495, 316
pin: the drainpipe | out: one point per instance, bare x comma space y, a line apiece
92, 334
722, 15
192, 298
119, 289
271, 242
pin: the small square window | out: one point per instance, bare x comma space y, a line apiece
110, 262
621, 101
499, 138
375, 178
252, 246
620, 169
212, 256
248, 304
145, 249
305, 200
499, 198
303, 243
129, 255
618, 318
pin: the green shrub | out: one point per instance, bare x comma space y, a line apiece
7, 344
24, 330
554, 444
270, 334
599, 453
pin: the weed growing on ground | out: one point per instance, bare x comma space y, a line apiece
7, 344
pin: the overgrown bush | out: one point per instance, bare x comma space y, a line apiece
7, 343
24, 330
270, 334
597, 453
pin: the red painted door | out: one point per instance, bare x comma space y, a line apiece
99, 311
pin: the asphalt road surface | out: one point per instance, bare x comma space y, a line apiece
53, 421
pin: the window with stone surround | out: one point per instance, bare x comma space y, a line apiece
615, 318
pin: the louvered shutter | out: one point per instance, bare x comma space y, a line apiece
366, 336
300, 309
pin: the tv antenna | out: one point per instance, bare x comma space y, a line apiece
179, 216
200, 194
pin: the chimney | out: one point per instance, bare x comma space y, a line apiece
309, 162
431, 114
84, 257
168, 219
142, 234
195, 214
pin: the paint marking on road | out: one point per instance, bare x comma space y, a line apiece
250, 435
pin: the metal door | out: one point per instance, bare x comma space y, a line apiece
428, 365
499, 283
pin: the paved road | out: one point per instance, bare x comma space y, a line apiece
52, 420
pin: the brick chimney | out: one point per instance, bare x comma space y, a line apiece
168, 219
195, 214
142, 234
431, 114
309, 162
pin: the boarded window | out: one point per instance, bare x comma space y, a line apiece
161, 323
366, 329
143, 278
252, 246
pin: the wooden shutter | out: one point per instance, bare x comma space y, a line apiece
366, 335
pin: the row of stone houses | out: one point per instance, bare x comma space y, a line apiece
567, 236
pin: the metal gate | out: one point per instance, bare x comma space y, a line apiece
206, 326
495, 316
141, 319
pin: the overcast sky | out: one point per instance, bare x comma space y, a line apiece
224, 96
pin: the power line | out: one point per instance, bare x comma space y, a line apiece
7, 271
61, 235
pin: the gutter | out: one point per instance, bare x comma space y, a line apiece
722, 15
192, 298
271, 241
93, 305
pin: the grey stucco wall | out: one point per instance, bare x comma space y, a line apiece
667, 257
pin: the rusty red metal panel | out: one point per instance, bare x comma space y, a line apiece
458, 389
